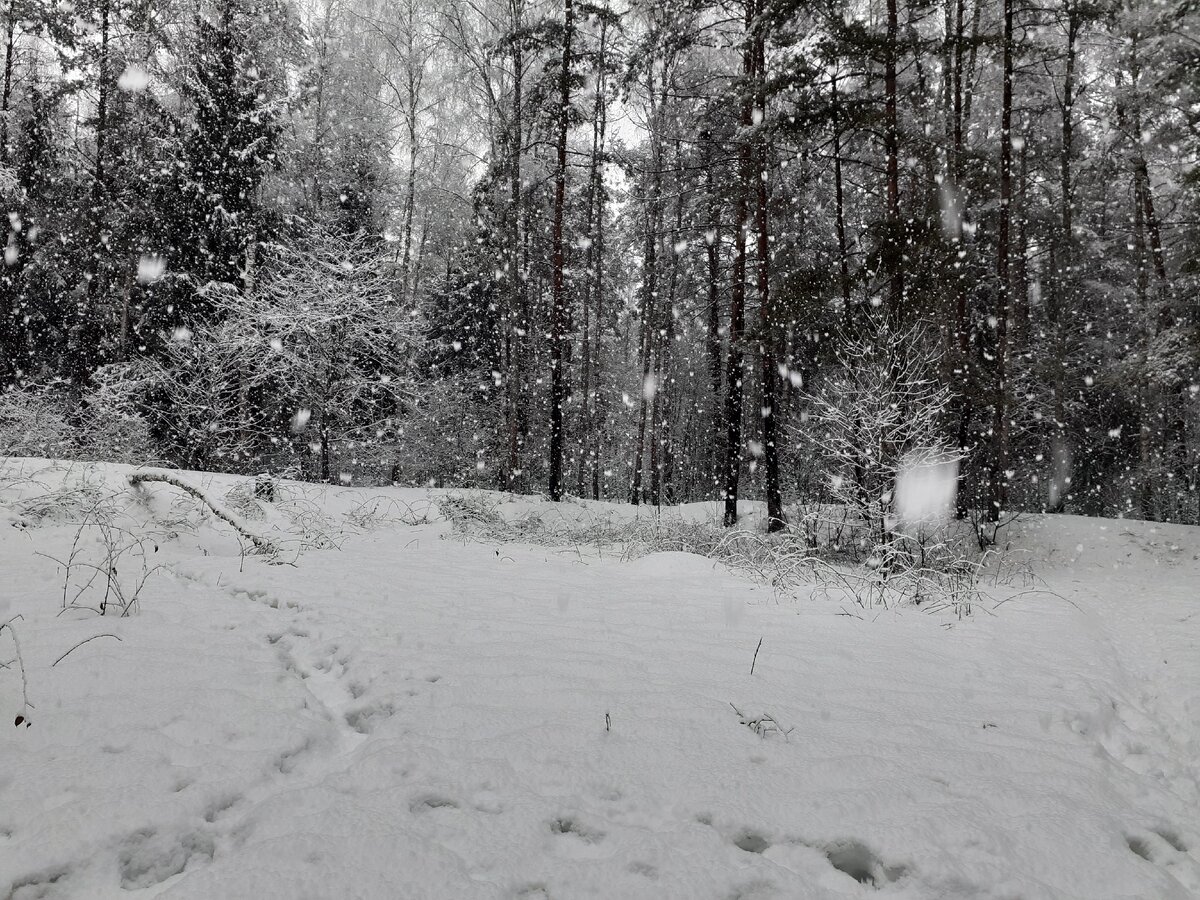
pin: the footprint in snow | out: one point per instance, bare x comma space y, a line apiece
1157, 844
570, 827
426, 802
751, 842
575, 840
364, 719
148, 858
857, 860
850, 857
1163, 847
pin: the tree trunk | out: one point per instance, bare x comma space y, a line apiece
597, 406
648, 389
10, 28
840, 203
1019, 329
894, 242
1063, 284
88, 331
769, 372
513, 326
661, 449
735, 371
592, 261
969, 92
712, 241
413, 78
997, 475
964, 411
558, 311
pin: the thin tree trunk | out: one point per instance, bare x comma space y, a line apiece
558, 312
769, 373
840, 202
972, 56
10, 28
126, 291
1021, 323
893, 247
1063, 284
661, 450
88, 331
1153, 229
712, 241
598, 408
514, 326
594, 189
997, 476
648, 389
735, 371
413, 80
962, 324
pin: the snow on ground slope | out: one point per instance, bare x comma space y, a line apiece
404, 714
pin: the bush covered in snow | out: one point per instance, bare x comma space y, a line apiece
46, 419
876, 425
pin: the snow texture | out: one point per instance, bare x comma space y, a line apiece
409, 714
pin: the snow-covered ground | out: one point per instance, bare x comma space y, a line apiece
408, 714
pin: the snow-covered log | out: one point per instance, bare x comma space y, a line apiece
219, 510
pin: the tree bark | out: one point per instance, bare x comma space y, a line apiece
894, 242
661, 458
997, 475
769, 373
648, 390
735, 370
10, 28
514, 324
712, 241
558, 311
89, 337
840, 203
592, 262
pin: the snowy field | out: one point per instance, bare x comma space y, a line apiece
385, 709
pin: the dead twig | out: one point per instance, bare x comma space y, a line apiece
80, 644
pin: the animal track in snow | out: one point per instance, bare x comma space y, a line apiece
1171, 838
147, 859
751, 842
1164, 848
220, 806
1140, 847
645, 869
38, 884
286, 761
850, 857
565, 825
363, 719
857, 860
427, 802
1156, 844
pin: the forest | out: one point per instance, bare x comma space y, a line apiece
647, 252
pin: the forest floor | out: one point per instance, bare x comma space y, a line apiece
386, 708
